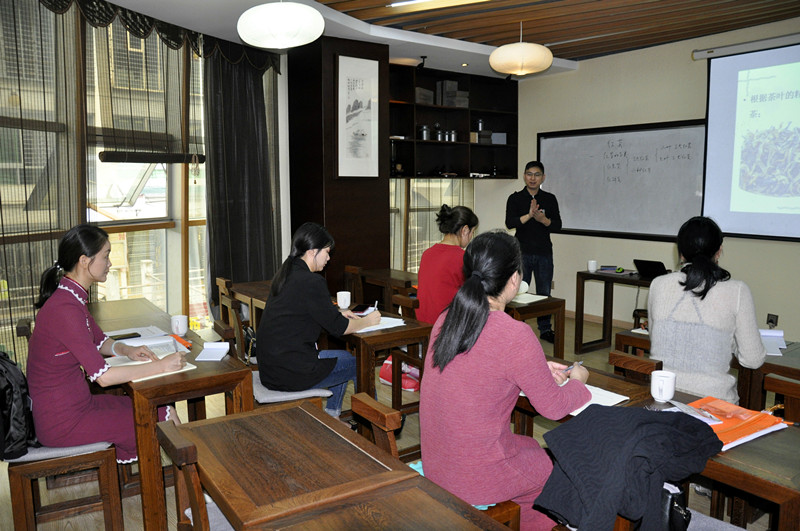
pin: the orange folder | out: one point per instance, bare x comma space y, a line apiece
738, 424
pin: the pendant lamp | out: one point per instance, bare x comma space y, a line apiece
280, 25
521, 58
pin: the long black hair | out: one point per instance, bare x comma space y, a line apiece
450, 220
699, 239
307, 237
489, 261
78, 241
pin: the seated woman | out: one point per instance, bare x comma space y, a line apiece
481, 358
440, 273
298, 309
67, 347
698, 317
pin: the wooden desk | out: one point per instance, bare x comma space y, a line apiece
549, 306
294, 466
229, 376
608, 279
751, 381
629, 339
416, 503
390, 281
767, 467
414, 335
254, 295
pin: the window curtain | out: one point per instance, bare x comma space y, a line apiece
243, 237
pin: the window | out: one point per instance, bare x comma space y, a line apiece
418, 201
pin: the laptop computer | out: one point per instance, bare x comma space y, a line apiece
649, 269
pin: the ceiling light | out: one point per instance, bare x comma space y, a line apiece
280, 25
521, 58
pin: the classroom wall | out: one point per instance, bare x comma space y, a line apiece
658, 84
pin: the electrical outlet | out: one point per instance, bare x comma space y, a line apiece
772, 320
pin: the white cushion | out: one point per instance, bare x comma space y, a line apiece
267, 396
52, 452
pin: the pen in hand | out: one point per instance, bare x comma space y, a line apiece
571, 366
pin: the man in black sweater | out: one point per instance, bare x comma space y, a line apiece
534, 214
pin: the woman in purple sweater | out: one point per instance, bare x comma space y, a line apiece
480, 361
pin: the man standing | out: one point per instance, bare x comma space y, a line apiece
534, 213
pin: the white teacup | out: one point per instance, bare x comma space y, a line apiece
591, 265
343, 299
180, 324
523, 287
662, 385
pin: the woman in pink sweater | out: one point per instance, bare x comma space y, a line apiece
480, 361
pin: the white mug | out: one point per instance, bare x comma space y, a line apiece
662, 385
523, 287
180, 324
592, 266
343, 299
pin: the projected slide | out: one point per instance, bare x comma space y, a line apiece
752, 181
767, 139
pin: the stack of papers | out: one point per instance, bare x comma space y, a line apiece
157, 340
773, 341
386, 322
213, 351
527, 298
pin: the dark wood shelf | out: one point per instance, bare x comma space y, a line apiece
493, 101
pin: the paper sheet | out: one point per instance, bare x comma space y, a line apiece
599, 396
143, 331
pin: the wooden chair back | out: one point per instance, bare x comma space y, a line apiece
636, 368
385, 421
405, 305
233, 307
790, 389
354, 283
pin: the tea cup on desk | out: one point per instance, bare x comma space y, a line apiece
591, 265
180, 324
343, 299
662, 385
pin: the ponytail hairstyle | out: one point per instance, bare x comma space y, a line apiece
699, 239
489, 261
307, 237
450, 220
78, 241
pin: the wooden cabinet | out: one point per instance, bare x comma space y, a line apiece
446, 149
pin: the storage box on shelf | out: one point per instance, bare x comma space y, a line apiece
472, 133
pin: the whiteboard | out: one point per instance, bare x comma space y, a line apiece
639, 181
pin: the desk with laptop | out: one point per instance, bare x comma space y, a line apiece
647, 270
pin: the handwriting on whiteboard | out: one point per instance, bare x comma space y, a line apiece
619, 162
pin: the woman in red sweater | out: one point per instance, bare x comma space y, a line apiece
440, 273
481, 358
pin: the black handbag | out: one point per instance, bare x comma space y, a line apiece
675, 516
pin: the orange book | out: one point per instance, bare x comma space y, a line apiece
738, 424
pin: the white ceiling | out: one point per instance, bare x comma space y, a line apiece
218, 18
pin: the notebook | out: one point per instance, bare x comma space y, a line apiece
649, 269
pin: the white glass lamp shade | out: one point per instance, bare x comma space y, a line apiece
280, 25
521, 58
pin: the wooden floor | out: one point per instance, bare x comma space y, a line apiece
132, 508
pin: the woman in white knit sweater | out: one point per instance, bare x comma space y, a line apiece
699, 317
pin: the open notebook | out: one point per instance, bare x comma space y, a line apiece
162, 346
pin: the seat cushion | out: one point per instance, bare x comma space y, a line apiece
268, 396
51, 452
